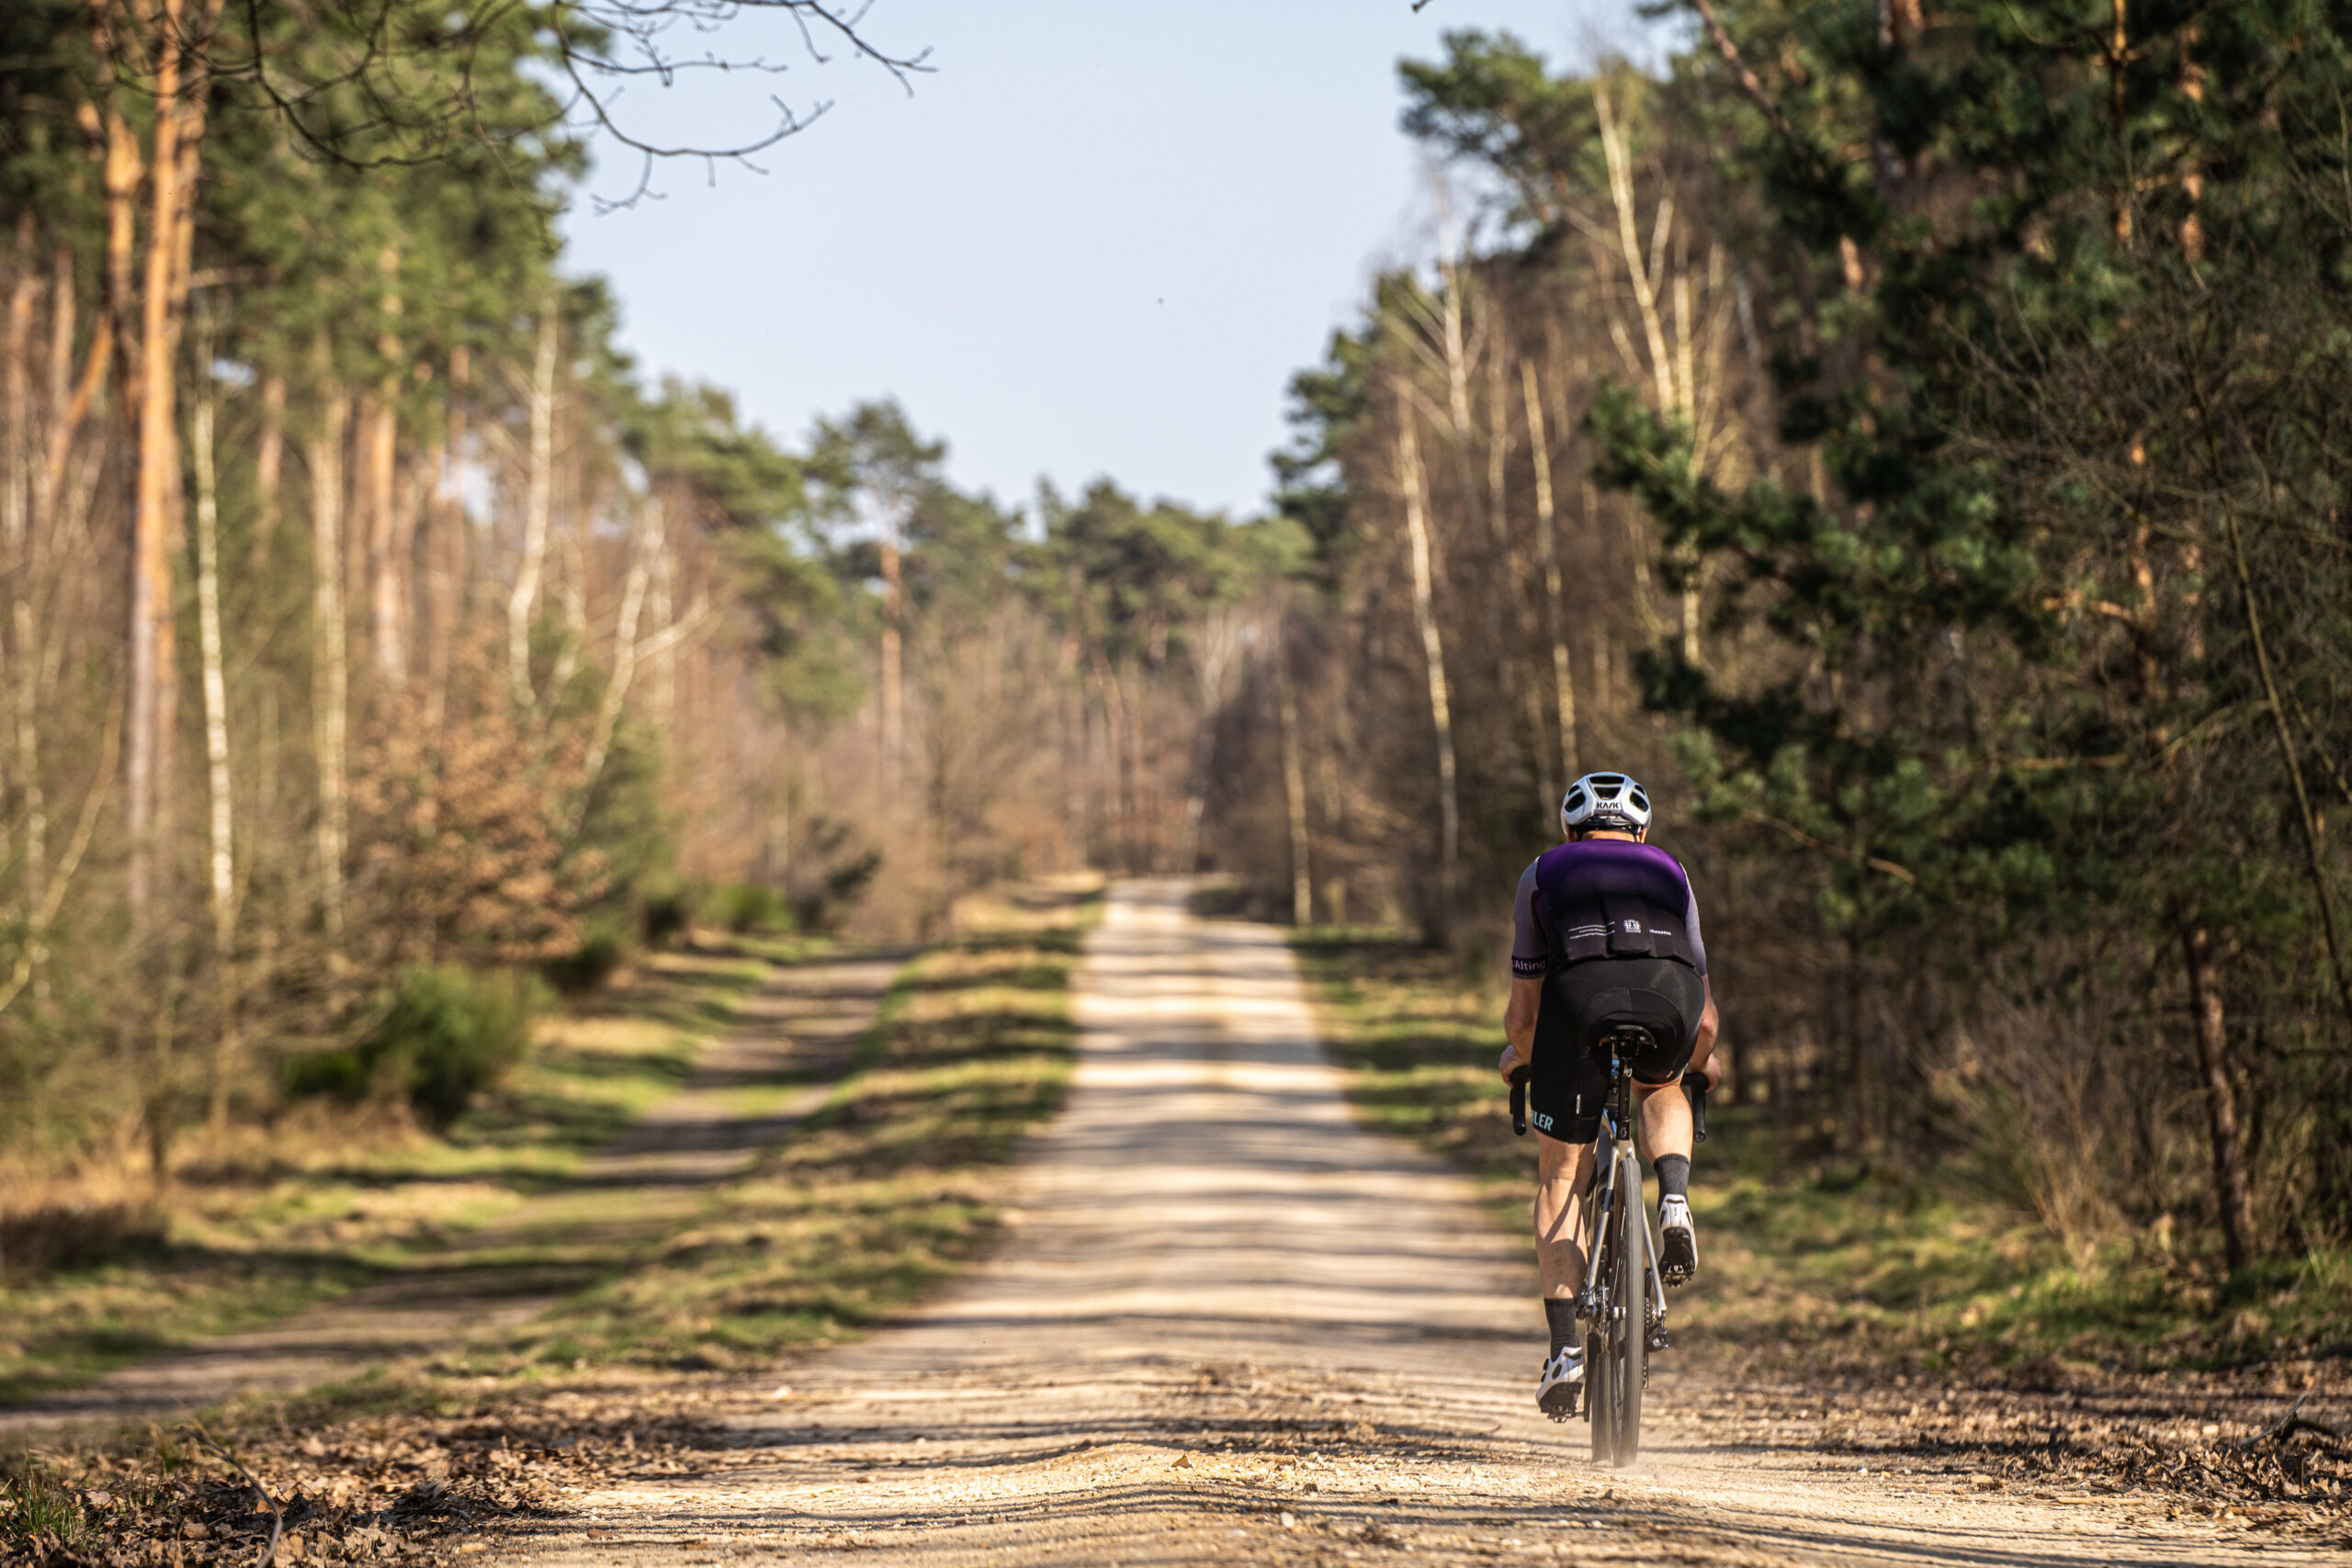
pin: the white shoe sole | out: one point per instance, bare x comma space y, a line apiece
1678, 1260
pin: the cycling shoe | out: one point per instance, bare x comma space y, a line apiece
1556, 1391
1678, 1245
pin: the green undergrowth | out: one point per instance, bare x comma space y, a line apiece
1821, 1264
892, 1184
330, 1198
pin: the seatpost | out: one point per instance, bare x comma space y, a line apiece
1621, 1089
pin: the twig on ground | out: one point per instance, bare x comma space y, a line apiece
2293, 1422
278, 1517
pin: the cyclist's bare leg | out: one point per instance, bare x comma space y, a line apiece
1668, 1131
1563, 1174
1666, 1119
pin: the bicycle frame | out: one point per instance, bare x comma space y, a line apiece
1618, 1334
1616, 1153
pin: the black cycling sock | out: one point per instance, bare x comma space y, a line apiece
1673, 1176
1562, 1316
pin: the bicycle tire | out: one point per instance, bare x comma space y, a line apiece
1597, 1404
1632, 1347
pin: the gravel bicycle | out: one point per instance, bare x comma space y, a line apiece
1623, 1300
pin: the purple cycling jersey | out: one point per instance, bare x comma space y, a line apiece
1531, 944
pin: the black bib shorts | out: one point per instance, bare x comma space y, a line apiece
1568, 1087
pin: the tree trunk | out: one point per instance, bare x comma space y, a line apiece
1457, 391
580, 510
1629, 245
68, 404
2305, 820
1671, 367
1411, 481
378, 445
1547, 550
2233, 1197
269, 464
176, 46
216, 745
450, 542
379, 439
1335, 804
1219, 638
1486, 510
624, 648
666, 664
330, 672
893, 676
1115, 729
1603, 697
153, 656
16, 463
525, 600
1302, 885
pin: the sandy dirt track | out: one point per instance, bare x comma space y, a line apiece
1231, 1326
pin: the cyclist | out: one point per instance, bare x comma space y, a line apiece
1605, 931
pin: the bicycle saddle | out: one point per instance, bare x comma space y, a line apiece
1631, 1021
1630, 1039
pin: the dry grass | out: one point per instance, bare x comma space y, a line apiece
250, 1226
885, 1190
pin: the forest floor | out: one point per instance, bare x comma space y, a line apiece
784, 1044
252, 1227
1226, 1320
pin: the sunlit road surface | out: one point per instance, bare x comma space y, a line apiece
1231, 1326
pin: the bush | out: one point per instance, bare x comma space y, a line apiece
822, 906
601, 952
747, 907
340, 1075
63, 1235
452, 1032
667, 914
829, 875
445, 1034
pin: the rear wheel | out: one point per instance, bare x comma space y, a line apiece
1599, 1369
1600, 1408
1630, 1285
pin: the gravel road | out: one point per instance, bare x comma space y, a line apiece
1232, 1326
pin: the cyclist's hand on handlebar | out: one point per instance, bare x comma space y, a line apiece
1511, 1062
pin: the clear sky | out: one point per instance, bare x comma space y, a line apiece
1097, 239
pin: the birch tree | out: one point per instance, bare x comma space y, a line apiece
1412, 489
538, 499
330, 667
222, 883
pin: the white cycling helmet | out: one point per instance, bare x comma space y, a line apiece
1613, 801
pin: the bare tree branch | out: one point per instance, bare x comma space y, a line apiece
408, 117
